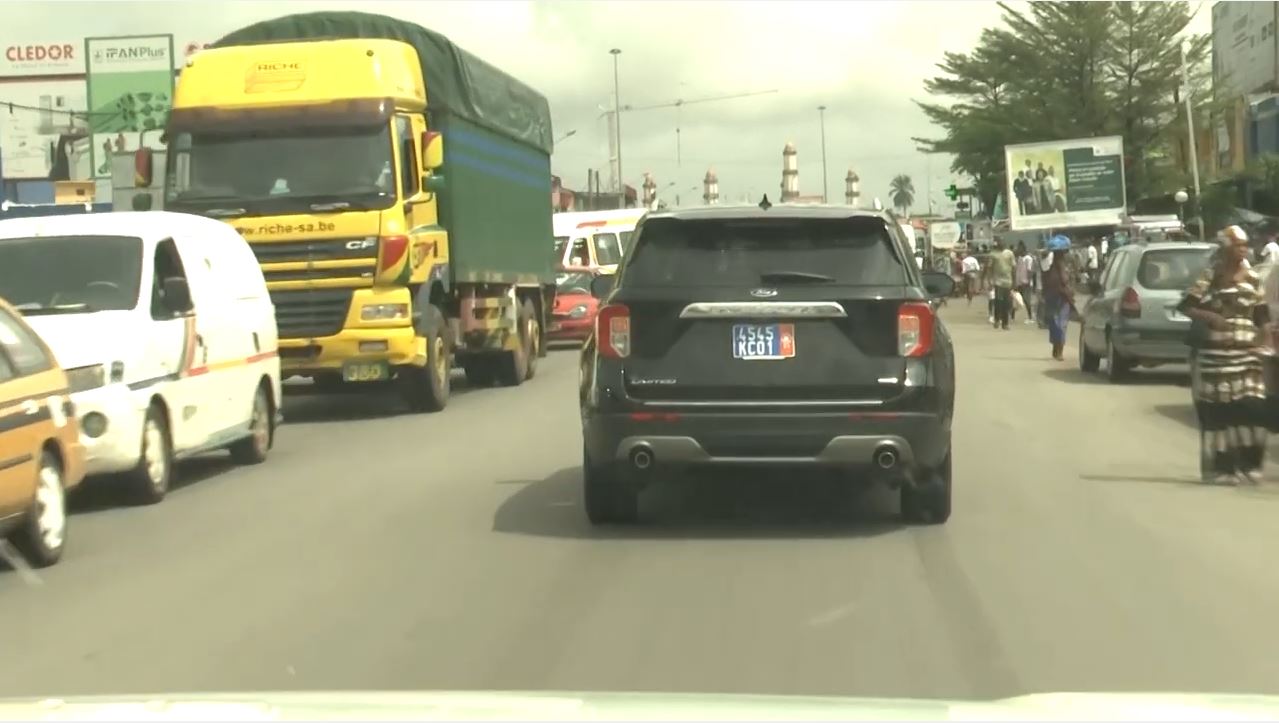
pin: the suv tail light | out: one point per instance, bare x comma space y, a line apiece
613, 331
915, 329
1130, 305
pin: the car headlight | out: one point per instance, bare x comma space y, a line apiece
383, 312
577, 312
82, 379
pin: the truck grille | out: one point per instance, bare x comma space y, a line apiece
342, 249
356, 259
308, 313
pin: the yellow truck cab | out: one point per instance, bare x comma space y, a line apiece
399, 226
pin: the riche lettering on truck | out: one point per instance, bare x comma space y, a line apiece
361, 161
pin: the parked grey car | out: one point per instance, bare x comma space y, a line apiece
1131, 318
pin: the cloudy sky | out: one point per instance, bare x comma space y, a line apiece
865, 61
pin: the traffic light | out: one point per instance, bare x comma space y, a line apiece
968, 232
952, 192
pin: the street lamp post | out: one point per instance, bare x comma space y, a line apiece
1181, 197
617, 120
821, 113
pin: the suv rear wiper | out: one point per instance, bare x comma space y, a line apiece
776, 276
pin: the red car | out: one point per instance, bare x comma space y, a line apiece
573, 317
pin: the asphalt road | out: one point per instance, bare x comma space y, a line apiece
376, 552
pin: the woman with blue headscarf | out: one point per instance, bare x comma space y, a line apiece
1059, 295
1227, 365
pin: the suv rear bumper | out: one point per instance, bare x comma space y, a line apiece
855, 441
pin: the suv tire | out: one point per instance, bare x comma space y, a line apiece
607, 496
929, 503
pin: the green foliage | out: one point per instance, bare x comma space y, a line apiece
1059, 70
902, 192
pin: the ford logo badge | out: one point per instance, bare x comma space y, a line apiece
764, 293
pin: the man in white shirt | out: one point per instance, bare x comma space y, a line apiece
971, 268
1092, 264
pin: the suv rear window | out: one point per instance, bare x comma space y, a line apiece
1169, 269
738, 252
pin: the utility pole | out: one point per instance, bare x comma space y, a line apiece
617, 119
1190, 138
821, 113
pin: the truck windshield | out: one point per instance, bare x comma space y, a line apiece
71, 274
284, 171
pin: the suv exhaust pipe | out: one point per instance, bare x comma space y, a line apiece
642, 458
886, 457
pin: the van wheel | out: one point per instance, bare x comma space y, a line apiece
44, 531
254, 448
426, 389
151, 479
514, 367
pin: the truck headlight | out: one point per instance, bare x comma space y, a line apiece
82, 379
383, 312
577, 312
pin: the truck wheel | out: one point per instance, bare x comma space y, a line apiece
514, 367
426, 389
607, 496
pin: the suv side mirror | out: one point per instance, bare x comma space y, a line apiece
938, 284
602, 285
177, 294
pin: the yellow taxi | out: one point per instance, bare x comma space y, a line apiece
41, 456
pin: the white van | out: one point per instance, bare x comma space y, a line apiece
164, 326
594, 239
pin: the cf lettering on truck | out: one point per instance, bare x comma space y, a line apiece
393, 187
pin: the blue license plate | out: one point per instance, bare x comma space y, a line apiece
763, 341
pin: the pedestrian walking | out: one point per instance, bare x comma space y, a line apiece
1227, 363
1059, 295
971, 267
1025, 280
1002, 265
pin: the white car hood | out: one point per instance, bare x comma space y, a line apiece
101, 337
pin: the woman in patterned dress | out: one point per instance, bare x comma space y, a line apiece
1227, 366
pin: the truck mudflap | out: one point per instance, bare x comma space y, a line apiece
489, 323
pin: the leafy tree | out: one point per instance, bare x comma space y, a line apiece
902, 192
1058, 70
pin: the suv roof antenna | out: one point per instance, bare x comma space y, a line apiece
764, 204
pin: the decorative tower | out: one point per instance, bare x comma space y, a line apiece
710, 187
852, 188
650, 190
790, 172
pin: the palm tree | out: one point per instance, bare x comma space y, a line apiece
902, 192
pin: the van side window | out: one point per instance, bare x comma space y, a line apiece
19, 348
410, 176
607, 250
168, 265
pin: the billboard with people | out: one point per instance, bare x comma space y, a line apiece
1064, 184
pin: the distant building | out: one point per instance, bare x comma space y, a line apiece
790, 172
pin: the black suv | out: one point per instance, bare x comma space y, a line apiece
768, 335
